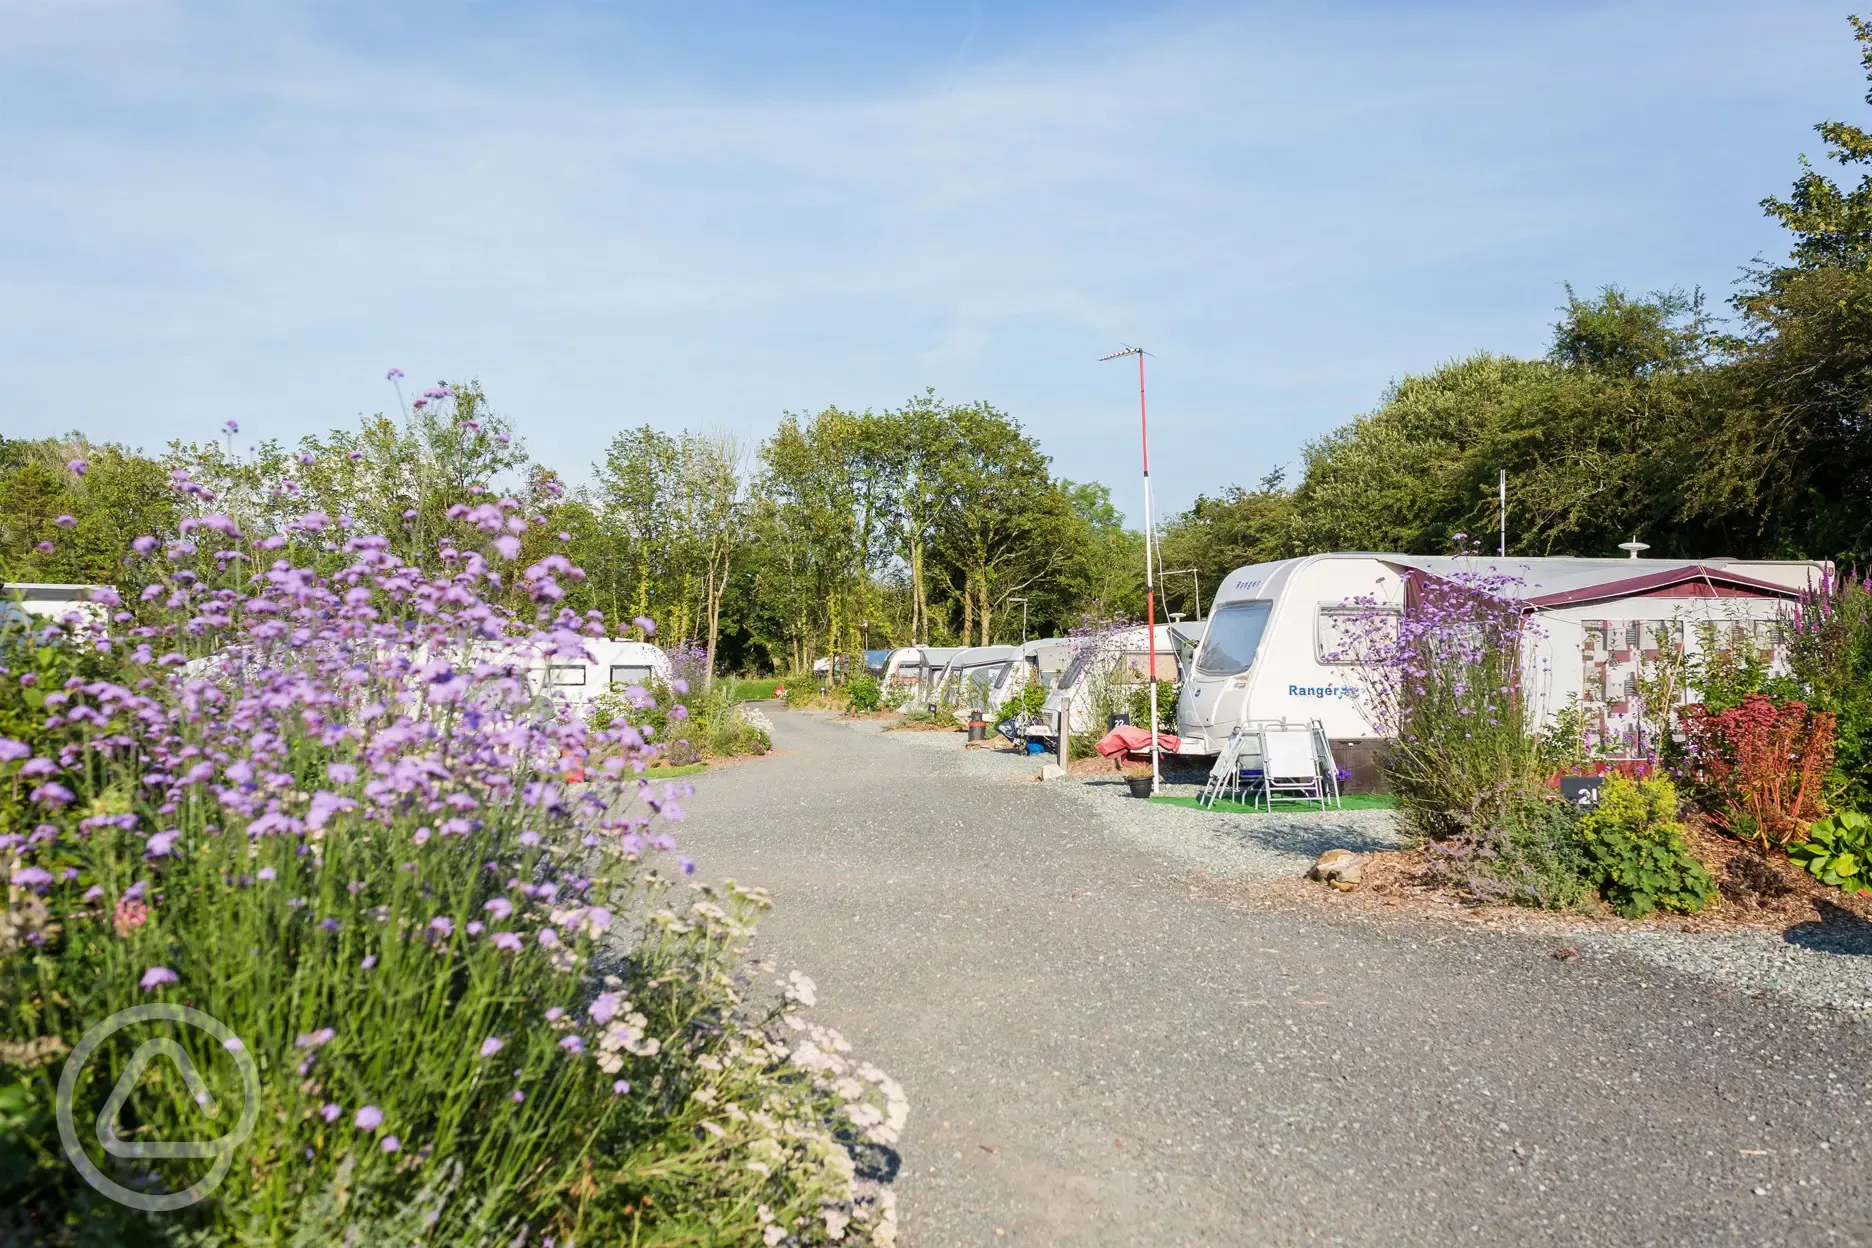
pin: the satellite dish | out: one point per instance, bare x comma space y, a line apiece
1634, 547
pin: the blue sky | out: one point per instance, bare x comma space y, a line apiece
701, 214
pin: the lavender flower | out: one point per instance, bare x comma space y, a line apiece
331, 1112
492, 1045
368, 1119
156, 977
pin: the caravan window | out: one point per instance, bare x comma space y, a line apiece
1233, 637
1342, 631
628, 674
565, 674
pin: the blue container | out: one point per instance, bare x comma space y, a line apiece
1035, 746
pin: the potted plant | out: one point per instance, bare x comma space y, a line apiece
1137, 775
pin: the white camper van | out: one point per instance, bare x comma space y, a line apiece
1274, 650
1040, 662
971, 673
1093, 661
910, 671
26, 601
579, 679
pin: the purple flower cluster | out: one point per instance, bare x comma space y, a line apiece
351, 712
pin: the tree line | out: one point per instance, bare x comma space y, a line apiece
932, 523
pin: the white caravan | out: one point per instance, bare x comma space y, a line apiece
970, 675
1276, 637
1094, 660
581, 678
1038, 662
909, 671
25, 601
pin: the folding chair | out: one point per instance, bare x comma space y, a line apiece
1290, 767
1225, 775
1328, 765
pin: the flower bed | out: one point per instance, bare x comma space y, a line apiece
484, 1001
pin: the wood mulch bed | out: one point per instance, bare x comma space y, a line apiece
1758, 892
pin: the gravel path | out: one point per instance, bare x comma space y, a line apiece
1105, 1043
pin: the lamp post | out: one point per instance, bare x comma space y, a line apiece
1150, 561
1196, 580
1023, 603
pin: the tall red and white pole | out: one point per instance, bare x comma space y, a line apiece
1150, 561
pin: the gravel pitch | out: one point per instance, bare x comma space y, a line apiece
1106, 1039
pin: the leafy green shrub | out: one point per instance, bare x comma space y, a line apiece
1830, 651
1635, 852
685, 725
863, 695
1443, 680
1166, 704
1531, 857
1030, 701
1838, 851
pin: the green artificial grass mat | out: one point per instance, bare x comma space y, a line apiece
1351, 801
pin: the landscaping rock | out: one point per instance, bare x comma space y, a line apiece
1052, 771
1340, 868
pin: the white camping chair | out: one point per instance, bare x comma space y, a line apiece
1225, 776
1329, 766
1290, 767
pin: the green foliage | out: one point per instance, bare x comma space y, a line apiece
120, 495
1830, 652
1030, 701
1139, 704
756, 688
1838, 851
1635, 853
687, 725
1531, 856
863, 695
1217, 535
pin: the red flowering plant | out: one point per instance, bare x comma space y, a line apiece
1760, 766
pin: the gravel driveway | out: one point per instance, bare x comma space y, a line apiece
1106, 1040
